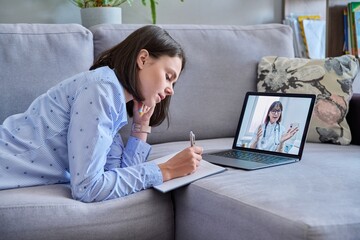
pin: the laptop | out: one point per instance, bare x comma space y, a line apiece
271, 131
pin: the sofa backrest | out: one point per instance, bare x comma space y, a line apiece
34, 57
221, 68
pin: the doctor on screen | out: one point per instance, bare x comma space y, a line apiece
271, 135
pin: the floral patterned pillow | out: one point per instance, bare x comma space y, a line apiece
330, 79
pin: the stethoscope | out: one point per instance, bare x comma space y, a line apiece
276, 139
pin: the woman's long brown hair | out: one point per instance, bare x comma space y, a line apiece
122, 58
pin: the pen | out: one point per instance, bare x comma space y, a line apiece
192, 139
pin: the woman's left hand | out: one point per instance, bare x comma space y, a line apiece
290, 132
143, 116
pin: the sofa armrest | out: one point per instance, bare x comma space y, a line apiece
353, 118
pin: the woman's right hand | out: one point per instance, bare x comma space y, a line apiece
259, 133
258, 136
182, 164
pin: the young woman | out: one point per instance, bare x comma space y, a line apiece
271, 134
70, 133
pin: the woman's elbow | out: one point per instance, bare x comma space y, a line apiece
80, 193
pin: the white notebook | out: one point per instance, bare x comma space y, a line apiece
205, 169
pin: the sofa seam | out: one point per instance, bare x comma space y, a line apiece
77, 204
207, 29
200, 27
38, 206
45, 34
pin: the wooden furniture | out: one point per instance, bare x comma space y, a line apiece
329, 10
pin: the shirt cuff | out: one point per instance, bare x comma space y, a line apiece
153, 175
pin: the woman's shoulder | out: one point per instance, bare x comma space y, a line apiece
104, 81
100, 79
103, 75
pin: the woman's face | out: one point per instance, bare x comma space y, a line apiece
275, 114
157, 76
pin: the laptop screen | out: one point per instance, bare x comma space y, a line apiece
274, 122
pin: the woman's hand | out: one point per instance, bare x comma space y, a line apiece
142, 117
182, 164
290, 132
259, 133
258, 136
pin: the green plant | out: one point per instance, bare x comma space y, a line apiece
99, 3
153, 8
115, 3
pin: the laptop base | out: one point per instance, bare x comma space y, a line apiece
245, 164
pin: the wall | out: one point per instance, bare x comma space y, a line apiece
237, 12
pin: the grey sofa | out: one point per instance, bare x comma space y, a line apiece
317, 198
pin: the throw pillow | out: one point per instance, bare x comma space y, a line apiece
330, 79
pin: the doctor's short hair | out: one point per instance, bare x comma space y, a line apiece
274, 105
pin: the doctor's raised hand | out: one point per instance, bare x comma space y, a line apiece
289, 134
259, 133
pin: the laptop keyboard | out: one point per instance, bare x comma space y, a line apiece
252, 156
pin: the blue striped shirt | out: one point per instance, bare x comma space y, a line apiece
70, 135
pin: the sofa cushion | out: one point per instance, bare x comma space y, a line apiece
221, 68
34, 57
330, 79
316, 198
49, 212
